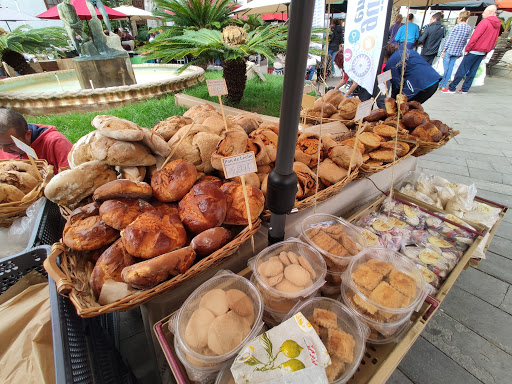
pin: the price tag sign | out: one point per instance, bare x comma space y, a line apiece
383, 77
24, 147
239, 165
308, 88
217, 87
382, 88
364, 109
308, 102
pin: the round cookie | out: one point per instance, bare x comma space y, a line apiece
293, 257
270, 268
286, 286
215, 301
307, 266
283, 256
226, 332
297, 275
273, 280
196, 332
239, 302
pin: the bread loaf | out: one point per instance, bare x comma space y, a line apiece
119, 213
427, 132
343, 154
259, 149
248, 121
174, 181
71, 186
165, 208
269, 138
24, 181
330, 173
233, 143
390, 104
334, 96
118, 129
197, 109
109, 266
202, 208
81, 151
132, 173
251, 179
88, 234
236, 213
415, 105
116, 152
414, 118
376, 115
348, 108
119, 189
306, 149
306, 180
87, 210
441, 126
210, 241
149, 273
156, 143
9, 193
210, 179
20, 166
168, 127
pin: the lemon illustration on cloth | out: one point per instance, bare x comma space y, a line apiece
292, 365
291, 349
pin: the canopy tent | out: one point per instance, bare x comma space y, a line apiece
82, 12
419, 3
135, 14
258, 7
504, 5
457, 5
7, 14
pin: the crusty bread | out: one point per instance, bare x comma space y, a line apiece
116, 128
376, 115
118, 213
119, 189
81, 151
330, 173
9, 193
88, 233
19, 166
248, 121
306, 149
306, 180
116, 152
131, 173
174, 180
168, 127
236, 213
71, 186
342, 155
210, 240
259, 149
21, 180
233, 143
156, 143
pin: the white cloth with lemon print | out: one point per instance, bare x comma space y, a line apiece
292, 346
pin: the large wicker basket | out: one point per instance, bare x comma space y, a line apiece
425, 147
72, 276
12, 211
367, 169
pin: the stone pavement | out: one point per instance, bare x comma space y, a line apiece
469, 340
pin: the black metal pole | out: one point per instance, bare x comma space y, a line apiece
425, 14
282, 181
385, 39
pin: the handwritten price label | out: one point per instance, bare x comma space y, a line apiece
383, 77
308, 101
217, 87
364, 109
239, 165
24, 147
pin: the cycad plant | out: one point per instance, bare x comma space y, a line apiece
233, 46
26, 39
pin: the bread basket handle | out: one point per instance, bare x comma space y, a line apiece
63, 284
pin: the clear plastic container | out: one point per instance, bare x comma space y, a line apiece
279, 302
225, 376
189, 356
348, 322
336, 264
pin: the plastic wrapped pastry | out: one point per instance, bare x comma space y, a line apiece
392, 232
440, 263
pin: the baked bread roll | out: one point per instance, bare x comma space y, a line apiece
236, 212
202, 208
9, 193
115, 152
71, 186
168, 127
149, 273
334, 96
201, 116
392, 121
197, 147
330, 173
352, 142
348, 108
269, 138
19, 166
81, 151
306, 184
233, 143
121, 212
415, 105
342, 155
327, 108
376, 115
210, 241
370, 140
427, 132
174, 180
248, 121
390, 104
87, 210
119, 189
267, 125
165, 208
109, 266
259, 149
216, 125
306, 149
210, 179
88, 233
116, 128
404, 108
385, 130
152, 234
414, 118
198, 108
441, 126
156, 143
24, 181
401, 99
251, 179
132, 173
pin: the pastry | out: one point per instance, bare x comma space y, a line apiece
341, 344
168, 127
270, 268
210, 241
203, 207
297, 275
174, 180
352, 141
259, 149
334, 370
283, 256
119, 213
402, 148
376, 115
306, 180
373, 163
325, 318
307, 266
381, 267
287, 286
366, 277
387, 296
119, 189
363, 304
293, 258
306, 149
196, 331
345, 156
269, 138
215, 301
403, 283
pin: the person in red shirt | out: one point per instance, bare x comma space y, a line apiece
47, 142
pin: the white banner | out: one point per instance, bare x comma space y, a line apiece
365, 26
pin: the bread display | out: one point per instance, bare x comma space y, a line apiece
24, 181
119, 189
118, 129
119, 213
236, 211
168, 127
174, 180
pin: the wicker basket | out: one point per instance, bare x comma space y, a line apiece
315, 120
425, 147
72, 276
366, 169
12, 211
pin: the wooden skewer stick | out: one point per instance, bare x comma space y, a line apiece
247, 207
223, 116
35, 167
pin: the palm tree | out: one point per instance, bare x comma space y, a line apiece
233, 45
26, 39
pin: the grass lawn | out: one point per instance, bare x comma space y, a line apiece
260, 97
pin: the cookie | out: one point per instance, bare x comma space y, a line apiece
226, 332
379, 266
325, 318
307, 266
292, 257
365, 305
215, 301
349, 244
387, 296
270, 268
403, 283
239, 302
297, 275
366, 277
272, 281
283, 256
334, 370
341, 345
196, 331
286, 286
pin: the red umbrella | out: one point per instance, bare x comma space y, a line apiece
82, 11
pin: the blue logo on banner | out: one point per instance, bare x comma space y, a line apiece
354, 36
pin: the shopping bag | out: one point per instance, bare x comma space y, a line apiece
438, 65
480, 76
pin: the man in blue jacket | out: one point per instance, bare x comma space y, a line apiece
413, 32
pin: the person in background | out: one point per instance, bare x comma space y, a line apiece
482, 41
431, 38
335, 40
394, 29
45, 140
413, 32
339, 60
454, 45
420, 79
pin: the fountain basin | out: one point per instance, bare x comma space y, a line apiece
59, 92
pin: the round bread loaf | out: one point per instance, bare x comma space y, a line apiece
174, 180
119, 213
257, 146
24, 181
236, 209
248, 121
91, 209
348, 108
156, 143
168, 127
87, 234
210, 241
210, 179
81, 151
9, 193
250, 179
117, 128
441, 126
414, 118
117, 152
269, 137
122, 188
165, 208
415, 105
233, 143
202, 208
306, 149
334, 96
152, 234
342, 155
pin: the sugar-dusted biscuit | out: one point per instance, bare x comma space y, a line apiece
293, 257
215, 301
270, 268
365, 305
349, 244
325, 318
327, 243
283, 256
196, 331
297, 275
307, 266
239, 302
403, 283
273, 280
226, 332
341, 344
366, 277
379, 266
387, 296
334, 370
286, 286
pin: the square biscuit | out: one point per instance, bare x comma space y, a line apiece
366, 277
379, 266
325, 318
403, 283
363, 304
327, 243
334, 370
341, 345
387, 296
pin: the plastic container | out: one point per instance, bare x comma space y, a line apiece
200, 366
336, 264
348, 322
225, 376
277, 302
386, 321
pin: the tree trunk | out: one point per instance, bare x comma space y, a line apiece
235, 75
17, 62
